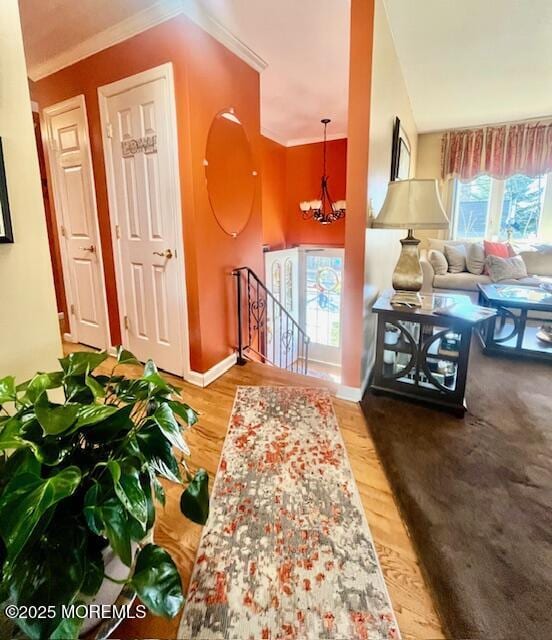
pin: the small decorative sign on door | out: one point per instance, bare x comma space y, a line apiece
147, 144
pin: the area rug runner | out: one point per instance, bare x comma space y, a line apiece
286, 553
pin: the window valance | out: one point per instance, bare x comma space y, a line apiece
499, 151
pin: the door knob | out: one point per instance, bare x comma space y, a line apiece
164, 254
90, 249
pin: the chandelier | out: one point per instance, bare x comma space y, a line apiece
324, 210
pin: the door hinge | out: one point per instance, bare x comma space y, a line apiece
118, 231
63, 232
109, 130
126, 322
72, 309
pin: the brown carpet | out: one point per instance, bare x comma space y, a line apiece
476, 494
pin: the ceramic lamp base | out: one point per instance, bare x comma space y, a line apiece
408, 276
406, 298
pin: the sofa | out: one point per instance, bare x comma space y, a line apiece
537, 259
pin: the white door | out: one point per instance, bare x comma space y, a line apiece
321, 302
68, 151
140, 144
283, 345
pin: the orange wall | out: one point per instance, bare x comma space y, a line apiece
208, 78
303, 174
360, 81
273, 177
293, 174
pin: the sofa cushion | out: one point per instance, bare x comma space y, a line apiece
475, 258
437, 261
463, 281
505, 268
456, 257
538, 262
439, 245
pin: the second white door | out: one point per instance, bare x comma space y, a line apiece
141, 161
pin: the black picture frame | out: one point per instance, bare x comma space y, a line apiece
6, 231
400, 153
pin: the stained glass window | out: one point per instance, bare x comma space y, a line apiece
323, 300
288, 285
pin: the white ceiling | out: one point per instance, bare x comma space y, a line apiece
306, 46
304, 43
468, 62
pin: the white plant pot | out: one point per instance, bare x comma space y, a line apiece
109, 591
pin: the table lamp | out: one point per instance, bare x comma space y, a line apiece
410, 204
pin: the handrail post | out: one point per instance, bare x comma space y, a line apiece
240, 359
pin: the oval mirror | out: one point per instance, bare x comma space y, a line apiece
230, 173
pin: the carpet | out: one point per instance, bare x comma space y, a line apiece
477, 496
286, 553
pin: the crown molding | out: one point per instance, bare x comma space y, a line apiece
198, 14
159, 12
295, 142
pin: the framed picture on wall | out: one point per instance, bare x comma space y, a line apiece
400, 153
6, 234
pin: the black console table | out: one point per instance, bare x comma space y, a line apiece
420, 354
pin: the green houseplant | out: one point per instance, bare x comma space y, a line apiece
80, 475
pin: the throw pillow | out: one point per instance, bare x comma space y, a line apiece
475, 258
438, 262
456, 257
506, 268
500, 249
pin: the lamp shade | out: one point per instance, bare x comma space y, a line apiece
412, 204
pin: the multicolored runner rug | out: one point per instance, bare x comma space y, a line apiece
286, 553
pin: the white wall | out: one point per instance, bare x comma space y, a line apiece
389, 99
29, 333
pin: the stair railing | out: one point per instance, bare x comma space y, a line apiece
266, 329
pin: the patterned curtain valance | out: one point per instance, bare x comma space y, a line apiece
498, 151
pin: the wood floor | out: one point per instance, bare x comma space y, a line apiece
410, 597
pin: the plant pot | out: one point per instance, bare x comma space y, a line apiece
109, 590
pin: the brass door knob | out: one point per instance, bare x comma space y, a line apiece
90, 249
164, 254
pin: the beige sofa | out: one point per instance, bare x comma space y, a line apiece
537, 258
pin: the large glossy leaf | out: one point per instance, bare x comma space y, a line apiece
55, 419
184, 411
68, 629
157, 581
194, 502
50, 572
95, 386
82, 362
111, 428
126, 357
94, 413
10, 435
26, 499
91, 509
129, 491
158, 451
41, 382
115, 526
159, 384
7, 389
164, 418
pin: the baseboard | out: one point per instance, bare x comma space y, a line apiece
205, 379
68, 337
352, 394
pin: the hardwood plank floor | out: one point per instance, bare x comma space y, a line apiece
410, 597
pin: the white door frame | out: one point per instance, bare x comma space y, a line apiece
47, 114
164, 71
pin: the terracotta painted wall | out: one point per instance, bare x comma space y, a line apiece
292, 174
273, 180
303, 174
208, 78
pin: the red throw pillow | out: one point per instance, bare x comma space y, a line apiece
500, 249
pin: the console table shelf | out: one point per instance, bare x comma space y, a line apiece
413, 367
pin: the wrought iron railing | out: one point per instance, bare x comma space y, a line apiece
266, 329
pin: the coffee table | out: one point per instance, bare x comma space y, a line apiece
522, 311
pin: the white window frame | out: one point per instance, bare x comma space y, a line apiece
494, 210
